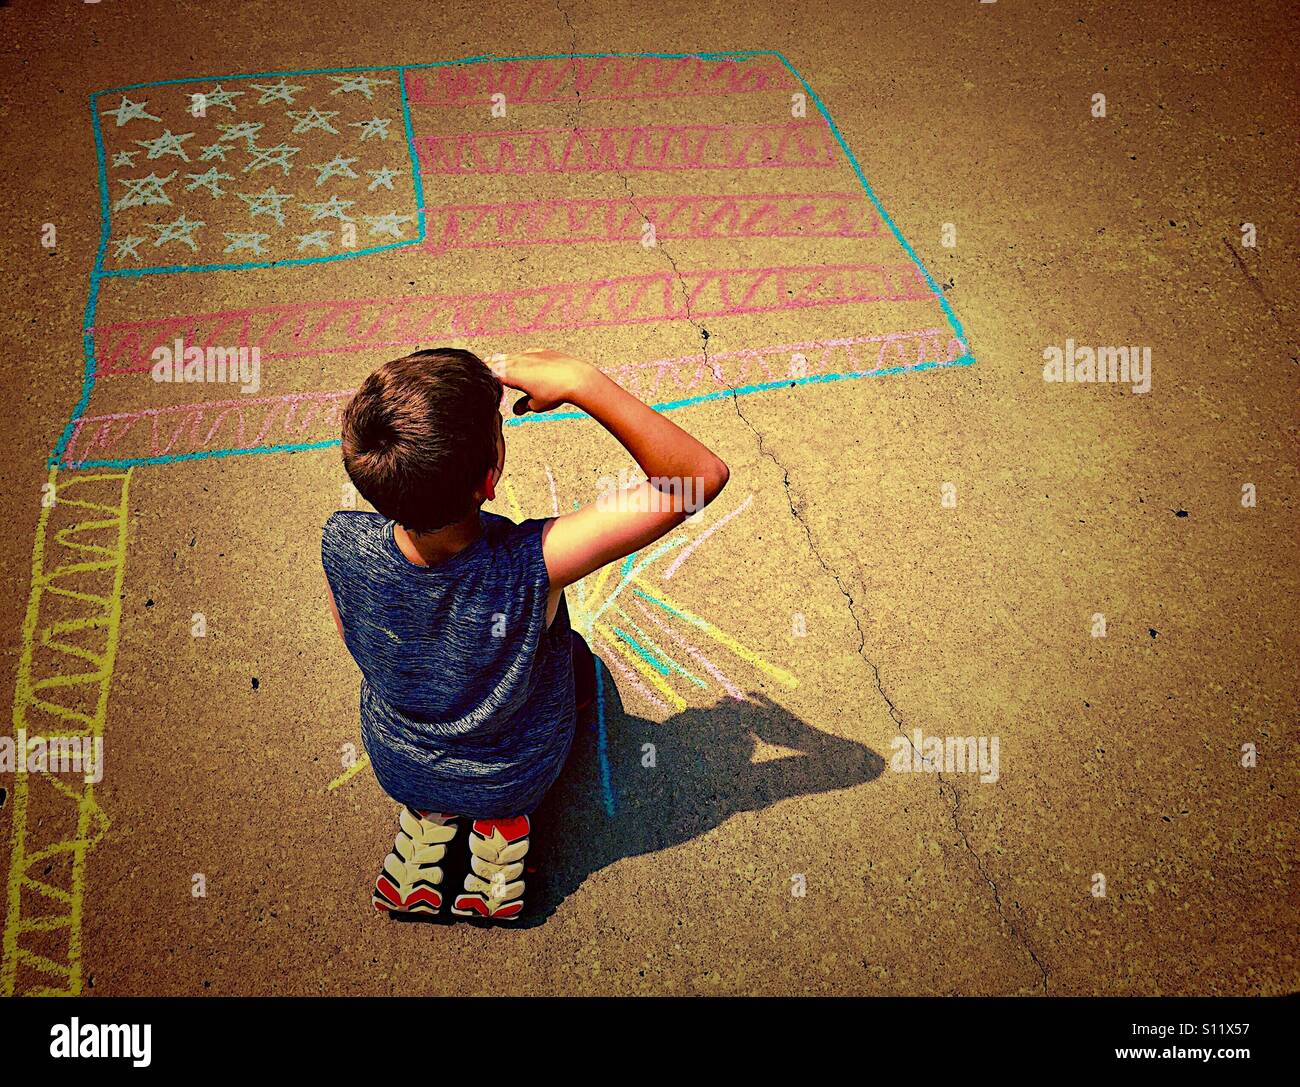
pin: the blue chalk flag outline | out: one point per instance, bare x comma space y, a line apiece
98, 272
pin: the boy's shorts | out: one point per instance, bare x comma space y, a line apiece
584, 672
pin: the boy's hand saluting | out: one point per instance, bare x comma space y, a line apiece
549, 378
613, 527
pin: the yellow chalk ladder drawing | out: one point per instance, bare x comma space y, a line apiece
69, 642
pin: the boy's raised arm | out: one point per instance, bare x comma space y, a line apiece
683, 474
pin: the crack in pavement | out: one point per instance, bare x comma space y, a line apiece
573, 52
1006, 919
1015, 930
1253, 282
997, 895
894, 714
573, 37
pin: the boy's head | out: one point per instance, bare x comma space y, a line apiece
422, 438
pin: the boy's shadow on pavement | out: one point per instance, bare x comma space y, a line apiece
702, 775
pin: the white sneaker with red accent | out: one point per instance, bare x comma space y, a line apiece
494, 888
412, 873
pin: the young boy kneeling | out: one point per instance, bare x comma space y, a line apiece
471, 675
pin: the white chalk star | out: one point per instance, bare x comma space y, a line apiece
271, 156
331, 208
267, 202
318, 238
219, 97
129, 111
276, 92
210, 181
376, 126
361, 84
387, 224
306, 120
182, 230
244, 130
166, 144
144, 190
126, 247
382, 177
212, 151
338, 166
251, 241
125, 158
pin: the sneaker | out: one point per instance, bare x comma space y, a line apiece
409, 882
494, 887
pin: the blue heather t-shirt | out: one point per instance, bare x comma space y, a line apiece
467, 698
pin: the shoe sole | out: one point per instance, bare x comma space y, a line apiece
497, 848
416, 853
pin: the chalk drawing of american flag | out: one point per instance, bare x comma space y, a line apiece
495, 229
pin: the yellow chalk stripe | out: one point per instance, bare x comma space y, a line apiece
654, 678
47, 889
40, 962
748, 655
658, 650
44, 924
51, 851
605, 570
58, 556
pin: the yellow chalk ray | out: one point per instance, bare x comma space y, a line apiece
515, 508
786, 679
349, 773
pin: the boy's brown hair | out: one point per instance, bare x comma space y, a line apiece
419, 436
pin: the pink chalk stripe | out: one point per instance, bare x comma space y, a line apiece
187, 428
600, 79
321, 328
732, 690
690, 547
585, 220
638, 147
187, 422
781, 362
